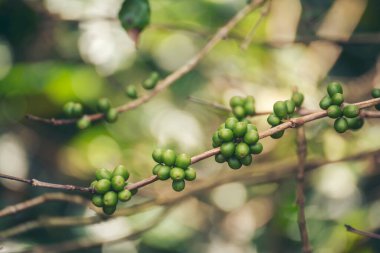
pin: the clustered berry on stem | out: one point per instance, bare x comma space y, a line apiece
174, 166
110, 188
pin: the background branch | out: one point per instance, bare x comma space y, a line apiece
362, 233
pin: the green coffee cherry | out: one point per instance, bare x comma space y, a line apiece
190, 174
183, 161
239, 112
236, 101
278, 135
111, 115
251, 127
169, 157
351, 111
157, 155
290, 106
83, 122
77, 110
124, 195
226, 134
297, 98
156, 168
103, 104
240, 129
280, 109
118, 183
273, 120
163, 173
222, 126
103, 174
109, 210
151, 81
219, 158
341, 125
334, 111
102, 186
249, 108
251, 137
177, 173
325, 102
247, 160
333, 88
337, 99
68, 108
178, 185
97, 200
216, 141
375, 93
120, 170
355, 123
231, 122
234, 163
131, 91
227, 149
242, 150
256, 148
110, 198
92, 185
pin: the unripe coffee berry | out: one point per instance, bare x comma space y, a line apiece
156, 168
227, 149
251, 137
219, 158
97, 200
234, 163
231, 122
120, 170
177, 173
226, 134
103, 174
249, 108
355, 123
251, 127
178, 185
168, 157
278, 135
102, 186
351, 111
118, 183
280, 109
337, 99
157, 155
239, 112
83, 122
236, 101
247, 160
103, 104
111, 115
273, 120
216, 141
183, 161
110, 198
190, 174
290, 106
341, 125
124, 195
109, 210
334, 111
297, 98
131, 91
325, 102
163, 173
68, 108
151, 81
77, 110
333, 88
240, 129
241, 150
375, 93
256, 148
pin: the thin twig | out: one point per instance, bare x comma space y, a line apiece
301, 154
170, 79
360, 232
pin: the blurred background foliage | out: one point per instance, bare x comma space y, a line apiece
53, 51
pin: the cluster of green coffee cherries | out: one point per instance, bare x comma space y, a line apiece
284, 110
174, 166
110, 188
346, 117
148, 84
376, 94
243, 107
238, 141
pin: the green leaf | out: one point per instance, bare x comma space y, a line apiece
134, 14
